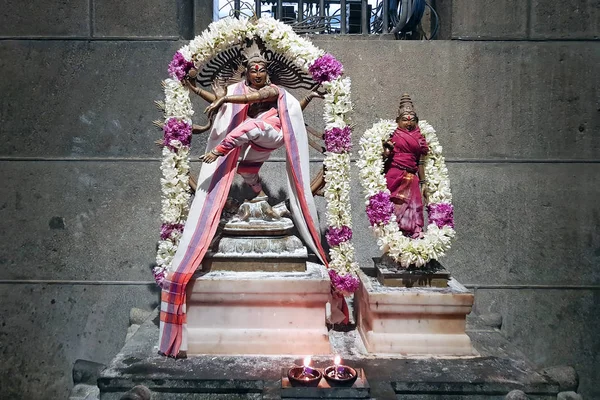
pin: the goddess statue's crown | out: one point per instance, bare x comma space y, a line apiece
406, 105
252, 54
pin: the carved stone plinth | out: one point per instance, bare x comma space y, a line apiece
428, 321
391, 274
258, 238
259, 312
255, 253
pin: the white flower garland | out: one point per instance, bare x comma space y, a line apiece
436, 239
219, 36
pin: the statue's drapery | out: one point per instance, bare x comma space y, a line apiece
401, 175
214, 182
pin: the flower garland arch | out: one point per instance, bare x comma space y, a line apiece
437, 237
177, 129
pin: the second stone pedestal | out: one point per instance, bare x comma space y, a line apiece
258, 312
419, 321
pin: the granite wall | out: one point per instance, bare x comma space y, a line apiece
513, 93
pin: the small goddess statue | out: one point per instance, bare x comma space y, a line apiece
404, 172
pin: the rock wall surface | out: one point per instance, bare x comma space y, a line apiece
513, 93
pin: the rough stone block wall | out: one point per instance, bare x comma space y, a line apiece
519, 20
514, 97
79, 204
532, 225
489, 19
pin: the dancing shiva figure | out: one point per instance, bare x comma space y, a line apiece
252, 118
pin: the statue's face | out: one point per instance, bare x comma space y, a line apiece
257, 75
408, 121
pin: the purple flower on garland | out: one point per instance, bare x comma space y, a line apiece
380, 209
159, 276
335, 236
175, 129
179, 66
347, 283
167, 229
442, 214
338, 140
326, 68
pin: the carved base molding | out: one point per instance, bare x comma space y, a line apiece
255, 253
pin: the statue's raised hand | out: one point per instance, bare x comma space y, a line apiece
217, 88
313, 93
189, 80
214, 107
316, 93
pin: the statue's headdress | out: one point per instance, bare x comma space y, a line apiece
406, 106
253, 54
229, 66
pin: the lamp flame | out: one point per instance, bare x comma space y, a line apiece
337, 360
307, 361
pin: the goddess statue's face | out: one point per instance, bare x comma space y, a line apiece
257, 75
407, 121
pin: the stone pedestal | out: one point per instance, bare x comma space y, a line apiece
257, 238
499, 369
427, 321
259, 312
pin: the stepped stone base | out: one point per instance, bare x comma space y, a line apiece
497, 370
428, 321
259, 312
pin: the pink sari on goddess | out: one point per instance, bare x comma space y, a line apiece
402, 180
